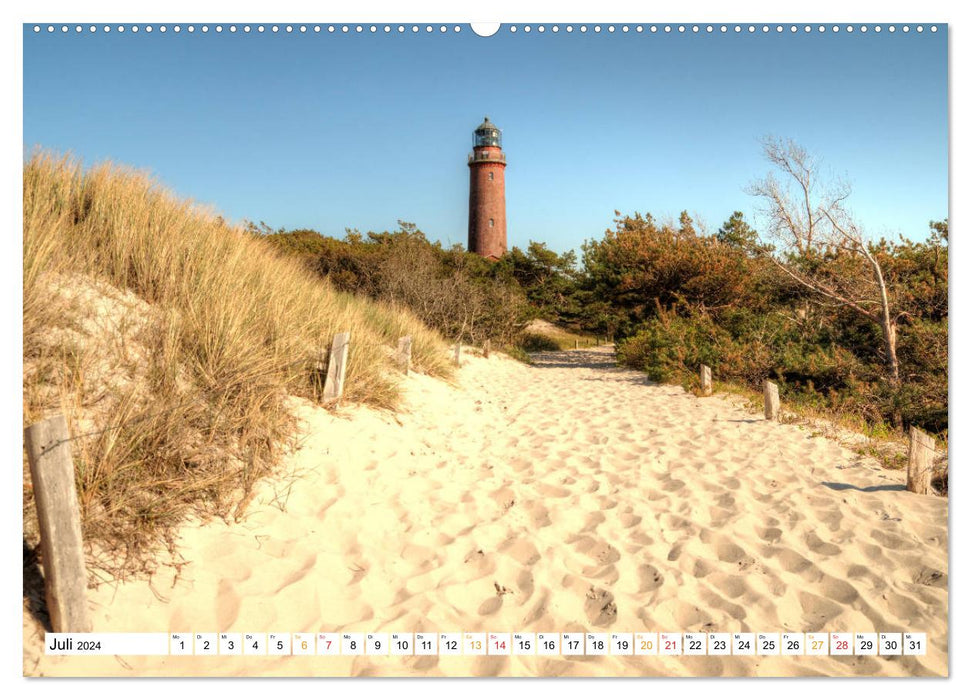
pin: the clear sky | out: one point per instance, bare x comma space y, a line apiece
329, 131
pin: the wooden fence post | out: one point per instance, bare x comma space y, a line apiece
920, 461
576, 344
486, 347
771, 393
403, 357
52, 477
337, 366
458, 355
705, 380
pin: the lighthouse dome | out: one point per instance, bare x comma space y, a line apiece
488, 134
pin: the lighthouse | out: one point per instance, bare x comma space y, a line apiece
487, 192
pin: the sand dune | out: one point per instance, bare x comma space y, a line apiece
565, 496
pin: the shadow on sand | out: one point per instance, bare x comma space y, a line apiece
34, 587
602, 358
837, 486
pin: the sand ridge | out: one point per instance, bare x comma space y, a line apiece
569, 495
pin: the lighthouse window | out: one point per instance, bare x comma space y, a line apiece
492, 222
492, 176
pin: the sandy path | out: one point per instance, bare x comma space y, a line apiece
591, 498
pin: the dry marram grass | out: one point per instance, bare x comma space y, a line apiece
173, 341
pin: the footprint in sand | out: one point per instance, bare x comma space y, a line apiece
227, 604
649, 577
592, 521
817, 611
299, 574
770, 534
600, 607
600, 551
820, 547
837, 589
729, 585
520, 549
891, 541
925, 576
729, 552
551, 491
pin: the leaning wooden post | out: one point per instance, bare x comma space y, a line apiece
457, 358
337, 367
920, 461
52, 477
486, 347
705, 380
771, 393
403, 356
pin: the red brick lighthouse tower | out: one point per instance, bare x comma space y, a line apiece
487, 193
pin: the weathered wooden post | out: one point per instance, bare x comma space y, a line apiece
457, 359
337, 366
771, 393
486, 347
52, 477
576, 343
920, 461
403, 356
705, 380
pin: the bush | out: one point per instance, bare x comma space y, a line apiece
463, 296
537, 342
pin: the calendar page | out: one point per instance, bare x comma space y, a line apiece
521, 349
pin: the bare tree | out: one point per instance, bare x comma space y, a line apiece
821, 246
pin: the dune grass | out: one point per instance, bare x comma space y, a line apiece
174, 342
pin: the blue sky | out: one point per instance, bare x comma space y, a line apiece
329, 131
